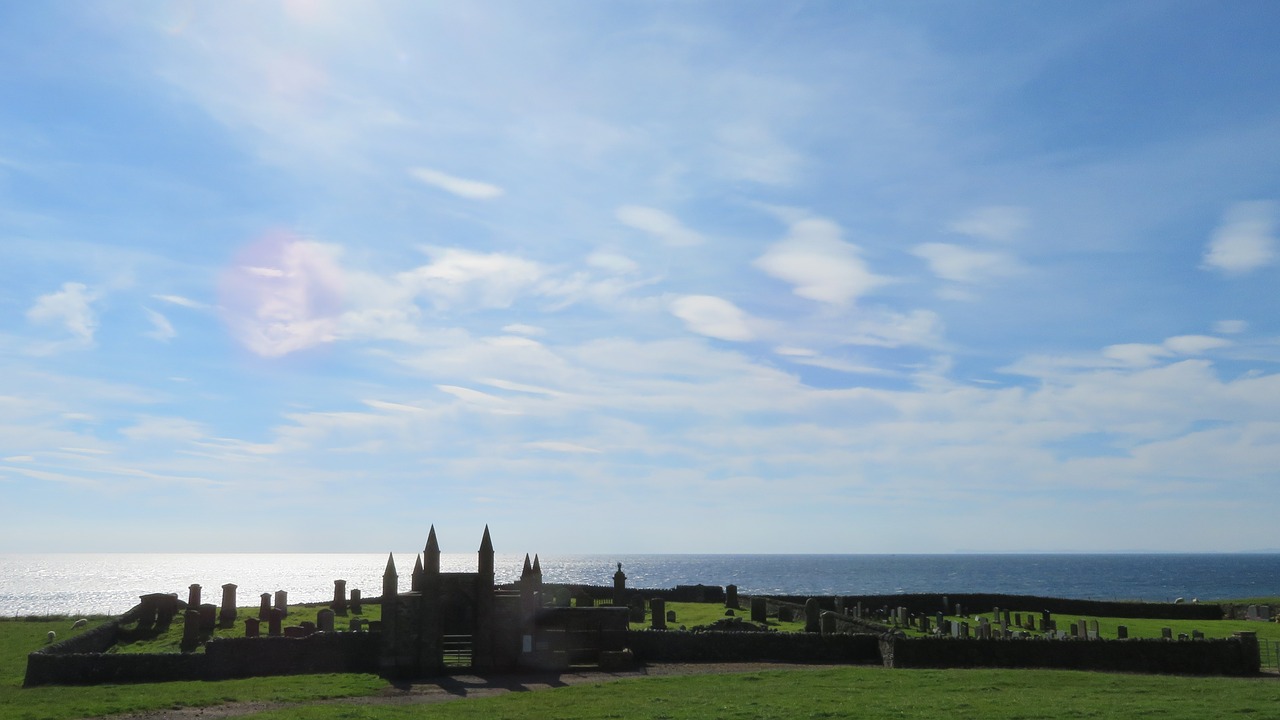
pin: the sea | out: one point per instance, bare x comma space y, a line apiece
83, 584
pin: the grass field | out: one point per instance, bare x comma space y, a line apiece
861, 692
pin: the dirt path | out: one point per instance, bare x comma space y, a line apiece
458, 687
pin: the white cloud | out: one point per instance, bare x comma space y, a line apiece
179, 300
522, 329
70, 306
1194, 344
963, 265
658, 224
1135, 354
612, 262
562, 447
493, 280
1245, 240
1002, 223
1230, 327
462, 187
713, 317
161, 328
820, 265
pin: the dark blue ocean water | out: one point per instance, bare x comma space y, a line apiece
111, 583
1156, 577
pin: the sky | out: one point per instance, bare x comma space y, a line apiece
645, 277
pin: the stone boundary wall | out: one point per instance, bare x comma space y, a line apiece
681, 593
222, 659
1232, 656
983, 603
676, 646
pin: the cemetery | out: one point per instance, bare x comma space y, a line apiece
434, 623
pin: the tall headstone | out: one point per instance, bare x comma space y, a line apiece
1122, 632
282, 602
193, 596
190, 629
356, 599
324, 620
658, 611
340, 596
759, 610
619, 587
1166, 633
251, 627
274, 622
227, 617
731, 596
264, 606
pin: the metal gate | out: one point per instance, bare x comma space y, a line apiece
457, 650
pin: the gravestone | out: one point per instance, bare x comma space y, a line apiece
620, 588
759, 610
324, 620
1166, 633
356, 599
273, 622
166, 609
148, 607
959, 610
339, 597
282, 602
1093, 630
1182, 637
964, 631
228, 615
671, 616
827, 623
1017, 619
924, 623
191, 629
1045, 620
1005, 617
637, 610
294, 631
1197, 635
731, 596
1122, 632
357, 624
208, 616
251, 629
785, 614
812, 622
307, 627
658, 613
954, 627
264, 606
193, 596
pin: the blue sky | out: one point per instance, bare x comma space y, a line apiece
639, 276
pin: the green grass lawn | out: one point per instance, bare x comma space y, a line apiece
691, 615
857, 692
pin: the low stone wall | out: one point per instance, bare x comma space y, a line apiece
98, 668
222, 659
1199, 657
677, 646
931, 603
319, 653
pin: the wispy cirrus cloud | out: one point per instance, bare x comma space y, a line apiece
659, 224
454, 185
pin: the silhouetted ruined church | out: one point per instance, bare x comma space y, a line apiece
465, 619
